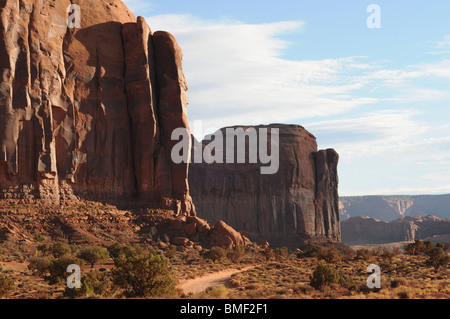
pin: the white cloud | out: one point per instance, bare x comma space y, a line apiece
443, 46
237, 73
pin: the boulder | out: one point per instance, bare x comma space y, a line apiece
225, 236
180, 241
190, 229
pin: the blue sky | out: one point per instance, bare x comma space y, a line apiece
380, 97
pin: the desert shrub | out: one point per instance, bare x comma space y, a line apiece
347, 253
39, 237
329, 254
171, 251
325, 275
418, 247
387, 256
443, 246
281, 253
94, 255
114, 250
363, 254
216, 253
58, 268
53, 269
217, 292
236, 253
309, 251
6, 285
40, 266
428, 245
395, 283
437, 258
93, 283
45, 249
268, 254
60, 249
142, 274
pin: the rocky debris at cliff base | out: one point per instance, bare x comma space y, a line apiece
97, 223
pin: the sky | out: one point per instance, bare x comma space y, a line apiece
379, 96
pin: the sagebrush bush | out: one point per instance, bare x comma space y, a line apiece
329, 254
437, 258
236, 253
93, 283
142, 274
325, 275
6, 285
217, 292
363, 254
54, 270
215, 254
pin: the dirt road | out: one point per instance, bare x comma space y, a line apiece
200, 284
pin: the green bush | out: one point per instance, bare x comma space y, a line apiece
363, 254
309, 251
217, 292
94, 255
114, 250
58, 268
281, 253
268, 254
325, 275
54, 270
142, 274
418, 247
236, 253
215, 254
40, 266
329, 254
60, 249
93, 283
6, 285
437, 258
39, 237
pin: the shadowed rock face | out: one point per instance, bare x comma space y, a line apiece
89, 112
298, 203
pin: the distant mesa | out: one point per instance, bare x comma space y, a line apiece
390, 208
366, 230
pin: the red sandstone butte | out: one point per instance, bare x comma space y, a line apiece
298, 204
88, 112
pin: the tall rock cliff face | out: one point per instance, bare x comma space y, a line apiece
88, 112
297, 204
